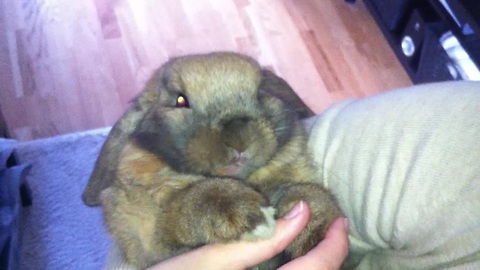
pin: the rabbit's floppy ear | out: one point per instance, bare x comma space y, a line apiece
104, 172
278, 87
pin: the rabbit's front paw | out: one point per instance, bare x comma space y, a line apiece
323, 208
229, 210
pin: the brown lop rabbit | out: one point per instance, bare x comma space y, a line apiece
211, 151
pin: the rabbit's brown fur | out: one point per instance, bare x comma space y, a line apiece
172, 177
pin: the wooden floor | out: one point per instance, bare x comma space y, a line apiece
69, 65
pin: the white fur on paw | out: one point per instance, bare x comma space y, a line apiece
263, 230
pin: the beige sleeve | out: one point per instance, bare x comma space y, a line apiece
405, 167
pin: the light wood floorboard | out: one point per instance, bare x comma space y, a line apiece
69, 65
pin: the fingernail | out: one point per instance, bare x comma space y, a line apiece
297, 209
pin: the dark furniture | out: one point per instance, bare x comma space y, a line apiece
415, 28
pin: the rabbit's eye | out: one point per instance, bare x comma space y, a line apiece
182, 102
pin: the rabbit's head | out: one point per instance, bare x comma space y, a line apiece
215, 115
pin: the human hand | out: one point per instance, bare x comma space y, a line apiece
328, 254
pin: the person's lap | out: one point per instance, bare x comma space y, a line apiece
404, 166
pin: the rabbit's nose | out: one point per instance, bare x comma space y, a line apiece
237, 146
239, 157
236, 153
236, 166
